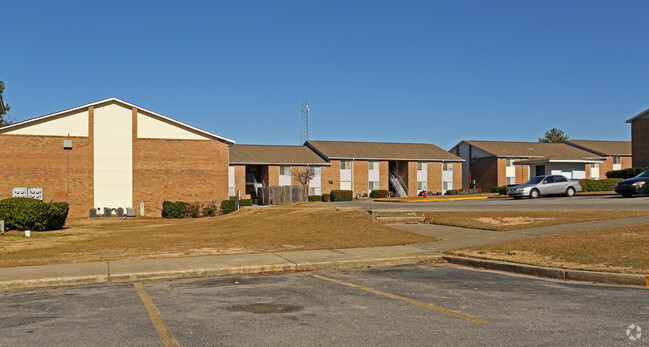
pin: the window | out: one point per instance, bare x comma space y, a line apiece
447, 185
345, 164
285, 170
373, 165
560, 179
315, 171
447, 166
422, 186
617, 160
346, 185
374, 185
510, 162
511, 181
314, 191
421, 166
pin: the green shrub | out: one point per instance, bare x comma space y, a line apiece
341, 195
625, 173
463, 191
326, 197
174, 209
379, 193
209, 209
605, 185
501, 190
32, 214
315, 197
229, 206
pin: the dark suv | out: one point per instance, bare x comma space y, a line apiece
636, 185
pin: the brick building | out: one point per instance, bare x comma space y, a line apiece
254, 166
640, 138
121, 155
496, 163
403, 168
617, 154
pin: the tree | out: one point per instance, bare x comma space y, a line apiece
305, 175
554, 135
5, 119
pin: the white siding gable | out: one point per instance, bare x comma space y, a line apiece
74, 124
151, 127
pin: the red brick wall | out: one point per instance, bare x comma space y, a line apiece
331, 174
521, 172
412, 178
640, 142
384, 172
457, 175
361, 174
41, 162
240, 181
435, 176
187, 170
485, 172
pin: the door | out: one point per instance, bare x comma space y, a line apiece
540, 170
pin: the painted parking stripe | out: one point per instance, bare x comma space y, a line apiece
412, 301
163, 331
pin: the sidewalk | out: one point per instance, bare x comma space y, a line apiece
148, 269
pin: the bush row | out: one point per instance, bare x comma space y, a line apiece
229, 206
379, 193
182, 209
625, 173
463, 191
315, 197
32, 214
341, 195
605, 185
501, 190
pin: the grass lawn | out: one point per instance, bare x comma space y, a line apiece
620, 249
512, 220
251, 230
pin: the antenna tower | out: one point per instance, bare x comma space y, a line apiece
304, 129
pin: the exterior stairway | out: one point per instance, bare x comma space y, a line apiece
398, 183
398, 217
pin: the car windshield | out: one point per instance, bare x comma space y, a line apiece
535, 180
643, 174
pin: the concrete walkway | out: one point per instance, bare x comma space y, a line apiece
141, 269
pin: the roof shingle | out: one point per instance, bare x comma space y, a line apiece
273, 154
381, 151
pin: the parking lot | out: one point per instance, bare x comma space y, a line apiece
578, 202
400, 305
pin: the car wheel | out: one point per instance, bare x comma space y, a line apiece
627, 195
516, 197
570, 191
534, 194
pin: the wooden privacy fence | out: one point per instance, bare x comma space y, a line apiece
278, 195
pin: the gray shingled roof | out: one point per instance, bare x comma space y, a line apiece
533, 150
272, 154
603, 147
381, 151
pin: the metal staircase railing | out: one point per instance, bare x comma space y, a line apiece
398, 183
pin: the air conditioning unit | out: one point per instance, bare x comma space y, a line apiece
35, 193
20, 193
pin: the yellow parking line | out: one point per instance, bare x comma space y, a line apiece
163, 331
412, 301
434, 200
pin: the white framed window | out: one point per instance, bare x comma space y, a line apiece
314, 191
231, 187
422, 166
511, 181
374, 185
422, 186
346, 185
447, 166
447, 185
373, 165
285, 170
345, 164
617, 160
509, 162
315, 170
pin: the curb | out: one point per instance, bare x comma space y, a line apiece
554, 273
106, 277
433, 200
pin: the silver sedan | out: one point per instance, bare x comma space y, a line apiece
545, 185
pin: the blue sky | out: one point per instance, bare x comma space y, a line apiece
408, 71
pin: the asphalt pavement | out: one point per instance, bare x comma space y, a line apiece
397, 305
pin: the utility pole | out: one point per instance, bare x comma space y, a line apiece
304, 129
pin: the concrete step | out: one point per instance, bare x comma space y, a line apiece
396, 213
400, 220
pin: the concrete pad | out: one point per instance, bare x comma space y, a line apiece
129, 270
52, 275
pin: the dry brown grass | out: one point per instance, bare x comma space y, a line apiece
512, 220
620, 249
247, 231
